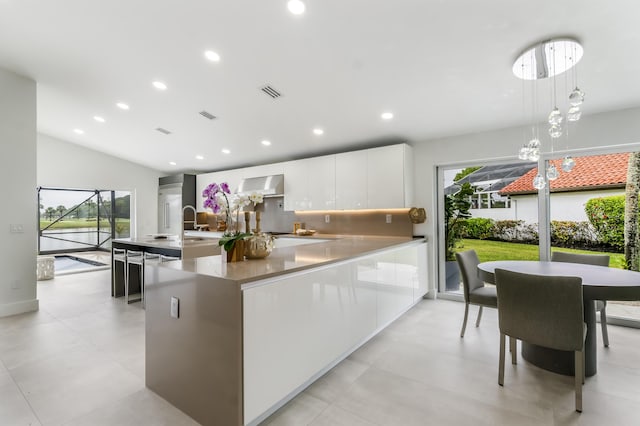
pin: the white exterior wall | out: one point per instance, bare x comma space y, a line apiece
495, 214
594, 131
563, 206
66, 165
18, 174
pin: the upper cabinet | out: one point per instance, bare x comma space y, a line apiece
309, 184
389, 177
351, 180
377, 178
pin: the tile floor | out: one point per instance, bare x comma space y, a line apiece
80, 361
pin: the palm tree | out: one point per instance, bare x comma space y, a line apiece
631, 238
50, 212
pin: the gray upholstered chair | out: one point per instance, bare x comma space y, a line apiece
475, 292
545, 311
589, 259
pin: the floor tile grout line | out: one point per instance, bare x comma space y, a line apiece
13, 379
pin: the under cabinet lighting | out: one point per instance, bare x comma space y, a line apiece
266, 143
122, 105
226, 151
172, 163
78, 131
159, 85
387, 115
199, 157
318, 131
99, 119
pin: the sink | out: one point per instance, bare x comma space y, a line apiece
195, 239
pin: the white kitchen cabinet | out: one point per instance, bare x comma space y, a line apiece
377, 178
351, 180
321, 174
295, 186
309, 184
264, 170
297, 326
389, 177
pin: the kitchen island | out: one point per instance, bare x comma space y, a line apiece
195, 244
251, 335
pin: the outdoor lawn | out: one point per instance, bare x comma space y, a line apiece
121, 224
500, 250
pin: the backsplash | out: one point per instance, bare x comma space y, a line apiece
350, 222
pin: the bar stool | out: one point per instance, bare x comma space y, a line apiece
150, 258
118, 255
165, 258
134, 257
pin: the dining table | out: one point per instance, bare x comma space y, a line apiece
598, 283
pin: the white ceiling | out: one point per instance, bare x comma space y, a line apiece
442, 67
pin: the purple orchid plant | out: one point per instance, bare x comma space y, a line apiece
216, 199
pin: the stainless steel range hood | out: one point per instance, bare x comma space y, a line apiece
268, 186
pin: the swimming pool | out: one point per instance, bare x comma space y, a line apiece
67, 263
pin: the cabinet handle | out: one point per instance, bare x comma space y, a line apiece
166, 215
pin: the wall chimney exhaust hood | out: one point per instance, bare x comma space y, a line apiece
268, 186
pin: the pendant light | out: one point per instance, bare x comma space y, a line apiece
544, 60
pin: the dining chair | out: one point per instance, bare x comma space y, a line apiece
475, 292
589, 259
545, 311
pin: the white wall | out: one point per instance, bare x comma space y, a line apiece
563, 205
66, 165
593, 131
18, 176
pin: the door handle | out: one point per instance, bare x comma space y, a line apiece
166, 215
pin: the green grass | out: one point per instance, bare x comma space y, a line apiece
499, 250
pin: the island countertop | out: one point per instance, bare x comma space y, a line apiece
329, 249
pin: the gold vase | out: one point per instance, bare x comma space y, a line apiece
258, 246
236, 253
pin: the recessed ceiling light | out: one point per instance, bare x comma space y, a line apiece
78, 131
122, 105
172, 163
212, 56
226, 151
159, 85
387, 115
318, 131
266, 142
99, 119
296, 7
199, 157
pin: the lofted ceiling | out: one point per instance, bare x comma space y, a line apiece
442, 68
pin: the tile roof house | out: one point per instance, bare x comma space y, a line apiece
593, 176
592, 172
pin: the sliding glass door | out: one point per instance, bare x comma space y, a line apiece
73, 220
501, 216
587, 209
478, 213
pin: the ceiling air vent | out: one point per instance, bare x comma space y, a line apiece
165, 131
207, 114
271, 91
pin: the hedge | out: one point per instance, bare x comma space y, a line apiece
606, 215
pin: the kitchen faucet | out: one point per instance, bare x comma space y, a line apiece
190, 221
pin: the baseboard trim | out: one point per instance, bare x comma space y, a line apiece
21, 307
